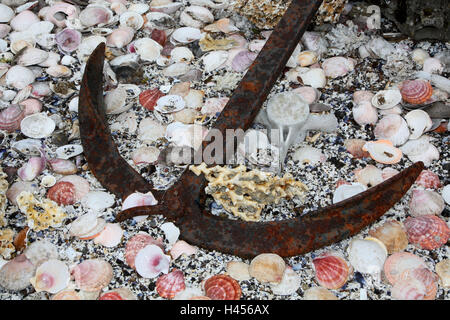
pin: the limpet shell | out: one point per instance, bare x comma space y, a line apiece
92, 274
427, 232
392, 234
37, 126
222, 287
267, 267
332, 271
170, 284
51, 276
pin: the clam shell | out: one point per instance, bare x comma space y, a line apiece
428, 179
37, 125
416, 91
310, 95
443, 271
185, 35
120, 37
397, 263
243, 60
150, 261
319, 293
31, 56
19, 186
367, 256
177, 69
170, 284
68, 40
6, 13
332, 271
111, 235
15, 274
427, 232
40, 251
425, 202
51, 276
92, 274
132, 19
181, 54
222, 287
337, 66
148, 49
392, 234
123, 293
136, 244
69, 151
63, 193
387, 173
383, 151
267, 267
95, 16
394, 128
369, 176
19, 77
32, 168
421, 150
11, 117
315, 78
23, 20
386, 99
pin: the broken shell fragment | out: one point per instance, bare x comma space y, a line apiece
171, 232
67, 295
267, 267
314, 77
427, 232
309, 155
289, 284
392, 234
332, 271
383, 151
346, 191
145, 155
92, 274
168, 285
425, 202
87, 226
222, 287
354, 147
110, 236
151, 261
369, 176
51, 276
62, 166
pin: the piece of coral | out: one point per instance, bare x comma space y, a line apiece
245, 193
6, 243
40, 214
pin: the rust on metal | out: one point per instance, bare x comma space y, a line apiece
184, 203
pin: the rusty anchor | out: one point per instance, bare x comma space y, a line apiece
184, 203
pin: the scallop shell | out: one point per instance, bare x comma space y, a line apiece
367, 256
148, 98
11, 117
419, 122
19, 77
425, 202
222, 287
386, 99
319, 293
111, 235
23, 20
394, 128
132, 19
170, 284
346, 191
62, 166
443, 271
408, 290
40, 251
16, 273
397, 263
289, 284
433, 65
185, 35
446, 194
337, 66
137, 243
416, 91
424, 276
6, 13
428, 179
123, 293
383, 151
362, 95
332, 271
181, 54
421, 150
87, 226
214, 60
392, 234
94, 15
120, 37
37, 126
151, 261
364, 113
148, 49
115, 101
63, 193
314, 77
243, 60
170, 103
92, 274
309, 155
68, 151
51, 276
267, 267
309, 94
238, 270
98, 200
354, 146
81, 185
427, 232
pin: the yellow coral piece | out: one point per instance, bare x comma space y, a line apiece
207, 43
6, 243
40, 214
3, 188
245, 193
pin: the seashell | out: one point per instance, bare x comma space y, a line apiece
427, 278
123, 293
150, 261
92, 274
243, 60
383, 151
222, 287
4, 30
170, 231
354, 146
31, 56
337, 66
23, 20
238, 270
419, 55
170, 103
28, 147
137, 199
177, 69
19, 77
182, 248
63, 193
398, 263
48, 181
148, 98
185, 35
62, 166
11, 117
214, 105
289, 284
416, 91
97, 200
214, 60
428, 179
31, 106
67, 295
131, 19
110, 236
446, 194
68, 40
196, 17
95, 16
393, 128
148, 49
427, 232
87, 226
314, 77
194, 99
140, 8
52, 60
224, 25
213, 4
181, 54
166, 6
170, 284
443, 271
362, 95
267, 267
307, 58
346, 191
135, 244
332, 271
120, 37
386, 99
60, 12
419, 122
309, 155
6, 13
145, 155
392, 234
367, 256
59, 71
81, 185
68, 151
115, 101
309, 94
37, 125
319, 293
421, 150
433, 65
40, 251
408, 290
150, 130
51, 276
18, 187
364, 113
425, 202
16, 273
160, 20
32, 168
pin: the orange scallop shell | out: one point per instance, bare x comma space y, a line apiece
426, 277
135, 244
148, 98
416, 91
222, 287
429, 180
63, 193
170, 284
331, 271
427, 232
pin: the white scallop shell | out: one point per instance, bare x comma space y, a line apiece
367, 256
185, 35
214, 60
151, 261
148, 49
32, 56
6, 13
289, 283
309, 155
37, 126
170, 103
51, 276
131, 19
346, 191
386, 99
98, 200
19, 77
115, 101
40, 251
419, 122
28, 147
69, 151
181, 54
446, 193
150, 130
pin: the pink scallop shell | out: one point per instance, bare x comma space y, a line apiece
110, 236
332, 271
151, 261
170, 284
81, 185
397, 263
31, 106
416, 91
426, 277
425, 202
222, 287
182, 247
11, 117
429, 180
135, 244
63, 193
148, 98
427, 232
92, 275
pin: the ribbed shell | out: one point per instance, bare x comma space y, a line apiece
92, 275
416, 91
331, 271
222, 287
426, 277
11, 117
63, 193
135, 244
399, 262
429, 180
170, 284
148, 98
427, 232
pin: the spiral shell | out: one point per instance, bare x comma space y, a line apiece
11, 117
429, 180
416, 91
92, 275
427, 232
135, 244
331, 270
63, 193
425, 202
148, 98
170, 284
222, 287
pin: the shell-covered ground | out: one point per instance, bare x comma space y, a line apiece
370, 73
